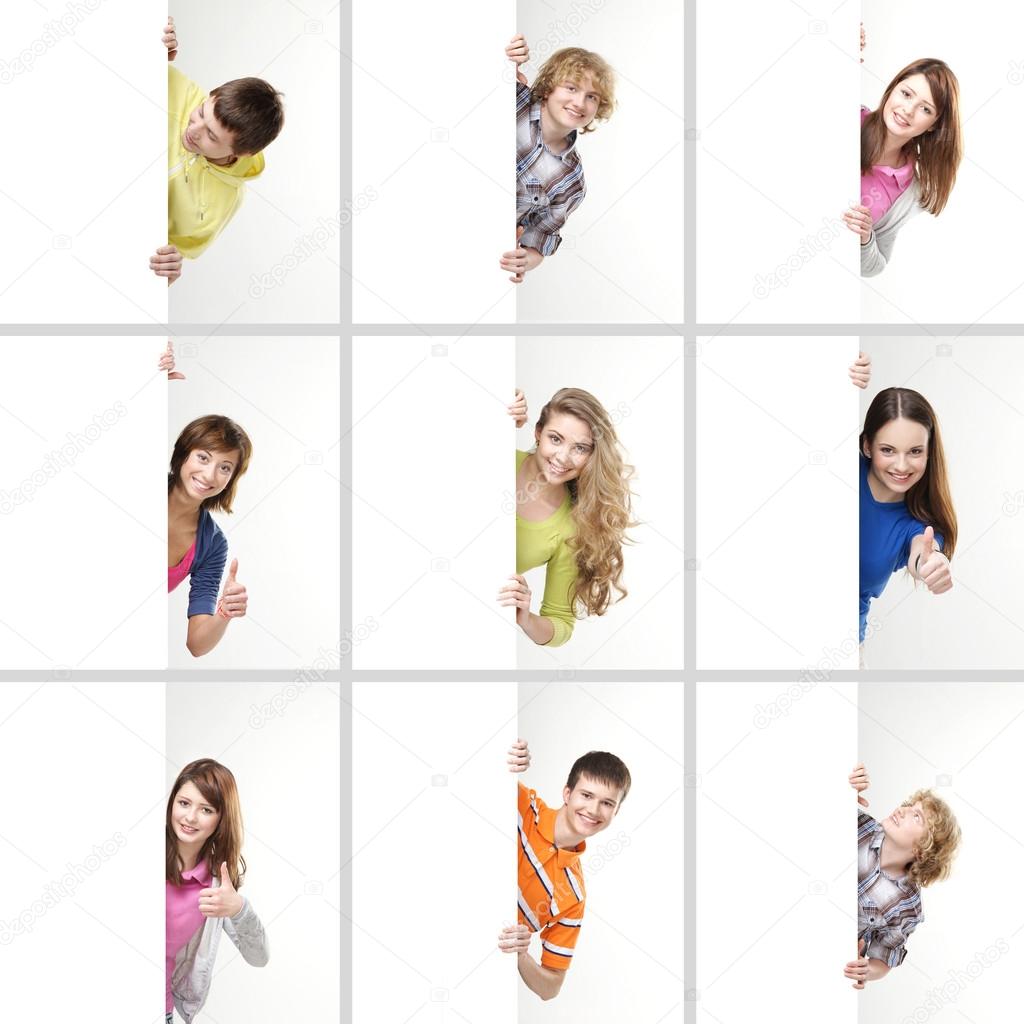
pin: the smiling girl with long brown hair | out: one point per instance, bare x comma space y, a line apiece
204, 871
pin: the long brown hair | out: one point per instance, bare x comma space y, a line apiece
601, 503
216, 433
939, 150
929, 500
217, 785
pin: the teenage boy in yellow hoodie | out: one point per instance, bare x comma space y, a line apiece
214, 146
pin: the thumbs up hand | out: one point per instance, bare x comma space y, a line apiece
933, 566
222, 901
860, 370
167, 362
857, 970
234, 600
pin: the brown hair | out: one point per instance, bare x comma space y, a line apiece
251, 110
601, 503
601, 766
934, 856
216, 433
573, 63
217, 785
938, 150
929, 500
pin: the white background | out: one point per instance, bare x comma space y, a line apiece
640, 383
433, 841
776, 850
85, 559
432, 502
83, 194
280, 741
964, 740
777, 533
83, 762
621, 257
975, 390
777, 160
284, 529
433, 145
962, 266
628, 962
295, 48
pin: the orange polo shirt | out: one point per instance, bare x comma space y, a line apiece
551, 891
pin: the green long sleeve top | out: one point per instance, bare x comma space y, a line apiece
547, 543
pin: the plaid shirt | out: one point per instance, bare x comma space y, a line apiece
888, 909
549, 186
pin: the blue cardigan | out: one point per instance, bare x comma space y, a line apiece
207, 566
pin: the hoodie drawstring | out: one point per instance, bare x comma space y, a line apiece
189, 161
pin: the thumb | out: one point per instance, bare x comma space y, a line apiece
519, 232
929, 540
225, 878
233, 571
860, 948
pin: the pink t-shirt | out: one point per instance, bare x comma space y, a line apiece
183, 915
176, 573
882, 185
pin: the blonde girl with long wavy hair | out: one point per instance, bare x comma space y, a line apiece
204, 871
910, 149
573, 507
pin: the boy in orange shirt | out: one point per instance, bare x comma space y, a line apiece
551, 890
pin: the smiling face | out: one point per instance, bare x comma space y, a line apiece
564, 445
572, 104
591, 805
207, 472
899, 458
193, 818
206, 135
907, 826
910, 109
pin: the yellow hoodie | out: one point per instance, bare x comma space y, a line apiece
201, 197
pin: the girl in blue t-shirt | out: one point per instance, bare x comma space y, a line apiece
907, 518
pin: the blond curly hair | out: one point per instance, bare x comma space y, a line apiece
601, 503
935, 853
572, 63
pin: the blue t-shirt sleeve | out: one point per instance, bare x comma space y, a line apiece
204, 582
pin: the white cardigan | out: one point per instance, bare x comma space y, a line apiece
193, 966
875, 255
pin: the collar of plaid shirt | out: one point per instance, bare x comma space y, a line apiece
877, 836
537, 130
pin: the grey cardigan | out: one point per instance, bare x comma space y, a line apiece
193, 966
875, 255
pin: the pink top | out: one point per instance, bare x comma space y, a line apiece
183, 916
882, 185
176, 573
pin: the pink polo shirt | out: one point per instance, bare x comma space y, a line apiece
882, 185
183, 916
176, 573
